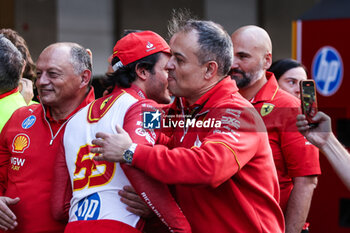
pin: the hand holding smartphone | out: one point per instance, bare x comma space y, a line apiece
308, 100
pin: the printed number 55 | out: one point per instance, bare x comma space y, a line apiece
89, 172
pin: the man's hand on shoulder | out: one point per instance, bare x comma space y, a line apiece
8, 219
111, 147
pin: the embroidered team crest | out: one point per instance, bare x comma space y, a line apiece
105, 102
266, 109
20, 143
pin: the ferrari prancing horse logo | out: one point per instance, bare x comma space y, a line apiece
266, 109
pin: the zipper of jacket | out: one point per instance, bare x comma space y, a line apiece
48, 123
195, 112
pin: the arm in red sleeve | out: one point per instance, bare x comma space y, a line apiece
155, 194
163, 139
61, 188
223, 152
4, 162
301, 157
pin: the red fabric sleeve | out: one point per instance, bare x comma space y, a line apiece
163, 139
301, 157
222, 153
61, 188
4, 162
155, 194
101, 225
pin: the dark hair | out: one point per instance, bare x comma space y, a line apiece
281, 66
126, 75
128, 31
214, 42
20, 43
11, 64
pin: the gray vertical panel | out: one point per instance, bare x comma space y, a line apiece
37, 23
155, 14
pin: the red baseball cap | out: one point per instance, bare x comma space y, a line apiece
137, 45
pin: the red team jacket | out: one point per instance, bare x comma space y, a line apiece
224, 175
28, 146
293, 155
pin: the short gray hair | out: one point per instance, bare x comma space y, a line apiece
11, 65
214, 42
80, 58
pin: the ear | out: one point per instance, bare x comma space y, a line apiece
141, 72
85, 78
90, 53
211, 69
268, 60
24, 67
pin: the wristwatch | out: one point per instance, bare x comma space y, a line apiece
129, 153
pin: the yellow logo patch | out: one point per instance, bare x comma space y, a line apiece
266, 109
105, 102
20, 143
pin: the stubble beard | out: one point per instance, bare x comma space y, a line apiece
247, 78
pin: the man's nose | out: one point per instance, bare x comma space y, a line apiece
234, 64
42, 80
170, 64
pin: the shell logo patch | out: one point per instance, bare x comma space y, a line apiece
266, 109
105, 102
20, 143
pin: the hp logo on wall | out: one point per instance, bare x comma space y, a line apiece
327, 70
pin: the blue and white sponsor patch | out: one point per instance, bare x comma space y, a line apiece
89, 208
151, 120
327, 70
28, 122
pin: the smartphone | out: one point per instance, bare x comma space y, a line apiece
308, 100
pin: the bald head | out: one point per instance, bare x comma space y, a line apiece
59, 46
79, 57
255, 35
252, 56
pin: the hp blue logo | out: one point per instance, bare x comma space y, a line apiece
89, 207
327, 70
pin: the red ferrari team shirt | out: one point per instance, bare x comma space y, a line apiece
220, 163
28, 146
294, 156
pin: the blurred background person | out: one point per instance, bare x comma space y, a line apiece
11, 66
289, 73
28, 74
297, 161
